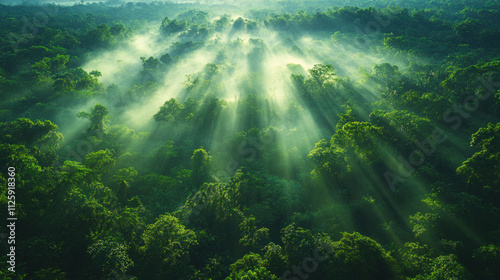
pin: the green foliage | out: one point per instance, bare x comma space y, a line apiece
98, 117
210, 183
214, 209
170, 111
402, 128
23, 131
125, 174
161, 158
360, 257
172, 26
253, 274
268, 198
99, 37
50, 273
385, 71
159, 193
251, 266
150, 64
221, 22
330, 161
110, 256
253, 237
100, 162
481, 170
446, 267
200, 162
487, 261
415, 258
361, 140
238, 24
322, 74
166, 249
425, 226
276, 260
298, 243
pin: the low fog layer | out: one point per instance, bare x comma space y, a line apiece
237, 54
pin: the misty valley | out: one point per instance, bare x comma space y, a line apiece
280, 139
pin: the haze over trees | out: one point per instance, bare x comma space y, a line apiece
252, 140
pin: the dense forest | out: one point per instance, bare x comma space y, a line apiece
255, 140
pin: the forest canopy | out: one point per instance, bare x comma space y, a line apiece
257, 140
